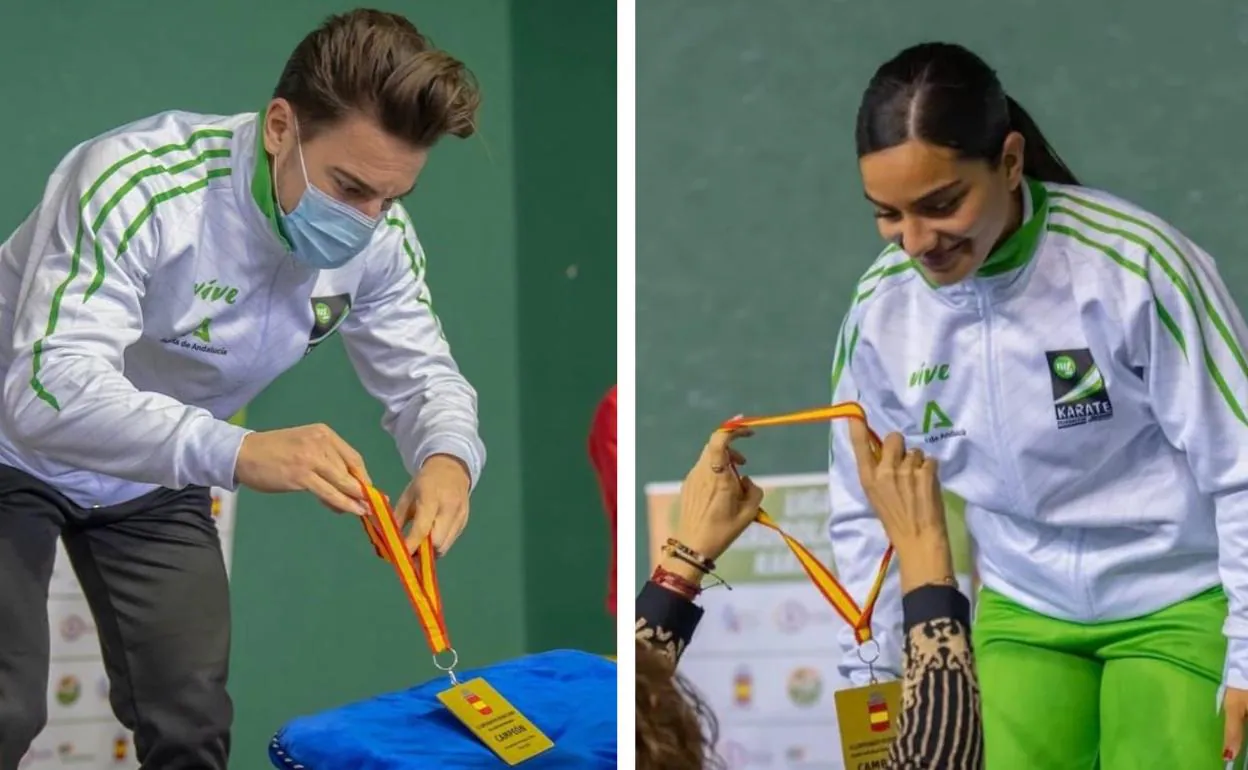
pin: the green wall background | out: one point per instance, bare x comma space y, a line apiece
565, 122
751, 227
519, 226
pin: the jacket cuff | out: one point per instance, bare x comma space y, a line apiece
456, 446
669, 611
1236, 664
935, 602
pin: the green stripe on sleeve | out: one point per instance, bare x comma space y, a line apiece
101, 266
1166, 318
1210, 309
110, 205
417, 263
167, 195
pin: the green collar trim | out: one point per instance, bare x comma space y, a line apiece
262, 185
1019, 248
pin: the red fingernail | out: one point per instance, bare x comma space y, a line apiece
1228, 755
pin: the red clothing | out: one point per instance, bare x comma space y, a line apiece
602, 456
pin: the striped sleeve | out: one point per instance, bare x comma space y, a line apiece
397, 346
1192, 337
941, 724
91, 244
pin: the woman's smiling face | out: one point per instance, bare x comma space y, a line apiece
946, 212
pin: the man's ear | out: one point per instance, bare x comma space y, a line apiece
279, 126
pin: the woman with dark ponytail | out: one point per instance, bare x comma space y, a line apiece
1078, 369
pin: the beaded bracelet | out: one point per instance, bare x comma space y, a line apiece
675, 583
686, 554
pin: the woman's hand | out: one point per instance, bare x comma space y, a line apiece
904, 491
716, 507
1235, 707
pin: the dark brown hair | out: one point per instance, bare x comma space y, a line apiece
676, 730
378, 64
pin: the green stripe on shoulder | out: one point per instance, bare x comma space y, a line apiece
1210, 310
885, 266
1167, 320
844, 353
154, 170
416, 258
192, 184
1154, 255
399, 221
891, 261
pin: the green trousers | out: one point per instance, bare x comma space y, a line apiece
1128, 695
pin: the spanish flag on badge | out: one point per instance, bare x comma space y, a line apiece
877, 712
481, 706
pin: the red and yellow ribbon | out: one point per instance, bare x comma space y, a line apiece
418, 574
859, 618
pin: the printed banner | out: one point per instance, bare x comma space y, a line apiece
82, 732
765, 656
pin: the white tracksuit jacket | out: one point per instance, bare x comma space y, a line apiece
1086, 393
152, 294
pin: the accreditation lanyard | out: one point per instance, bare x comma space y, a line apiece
417, 573
859, 618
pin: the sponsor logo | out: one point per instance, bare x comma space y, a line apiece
795, 754
211, 291
328, 313
736, 621
68, 690
926, 375
203, 333
74, 627
937, 426
70, 754
792, 616
1080, 395
805, 685
737, 756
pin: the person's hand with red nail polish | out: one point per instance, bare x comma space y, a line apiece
1235, 710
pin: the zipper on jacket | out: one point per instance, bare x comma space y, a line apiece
1013, 480
1077, 583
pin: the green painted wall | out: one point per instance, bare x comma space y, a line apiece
318, 619
565, 119
749, 202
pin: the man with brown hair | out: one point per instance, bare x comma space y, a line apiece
174, 268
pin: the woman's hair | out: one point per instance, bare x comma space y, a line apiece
945, 95
676, 730
377, 64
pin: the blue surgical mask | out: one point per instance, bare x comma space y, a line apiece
325, 232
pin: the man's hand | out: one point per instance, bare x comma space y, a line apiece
436, 501
311, 458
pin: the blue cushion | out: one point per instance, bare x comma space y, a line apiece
570, 696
